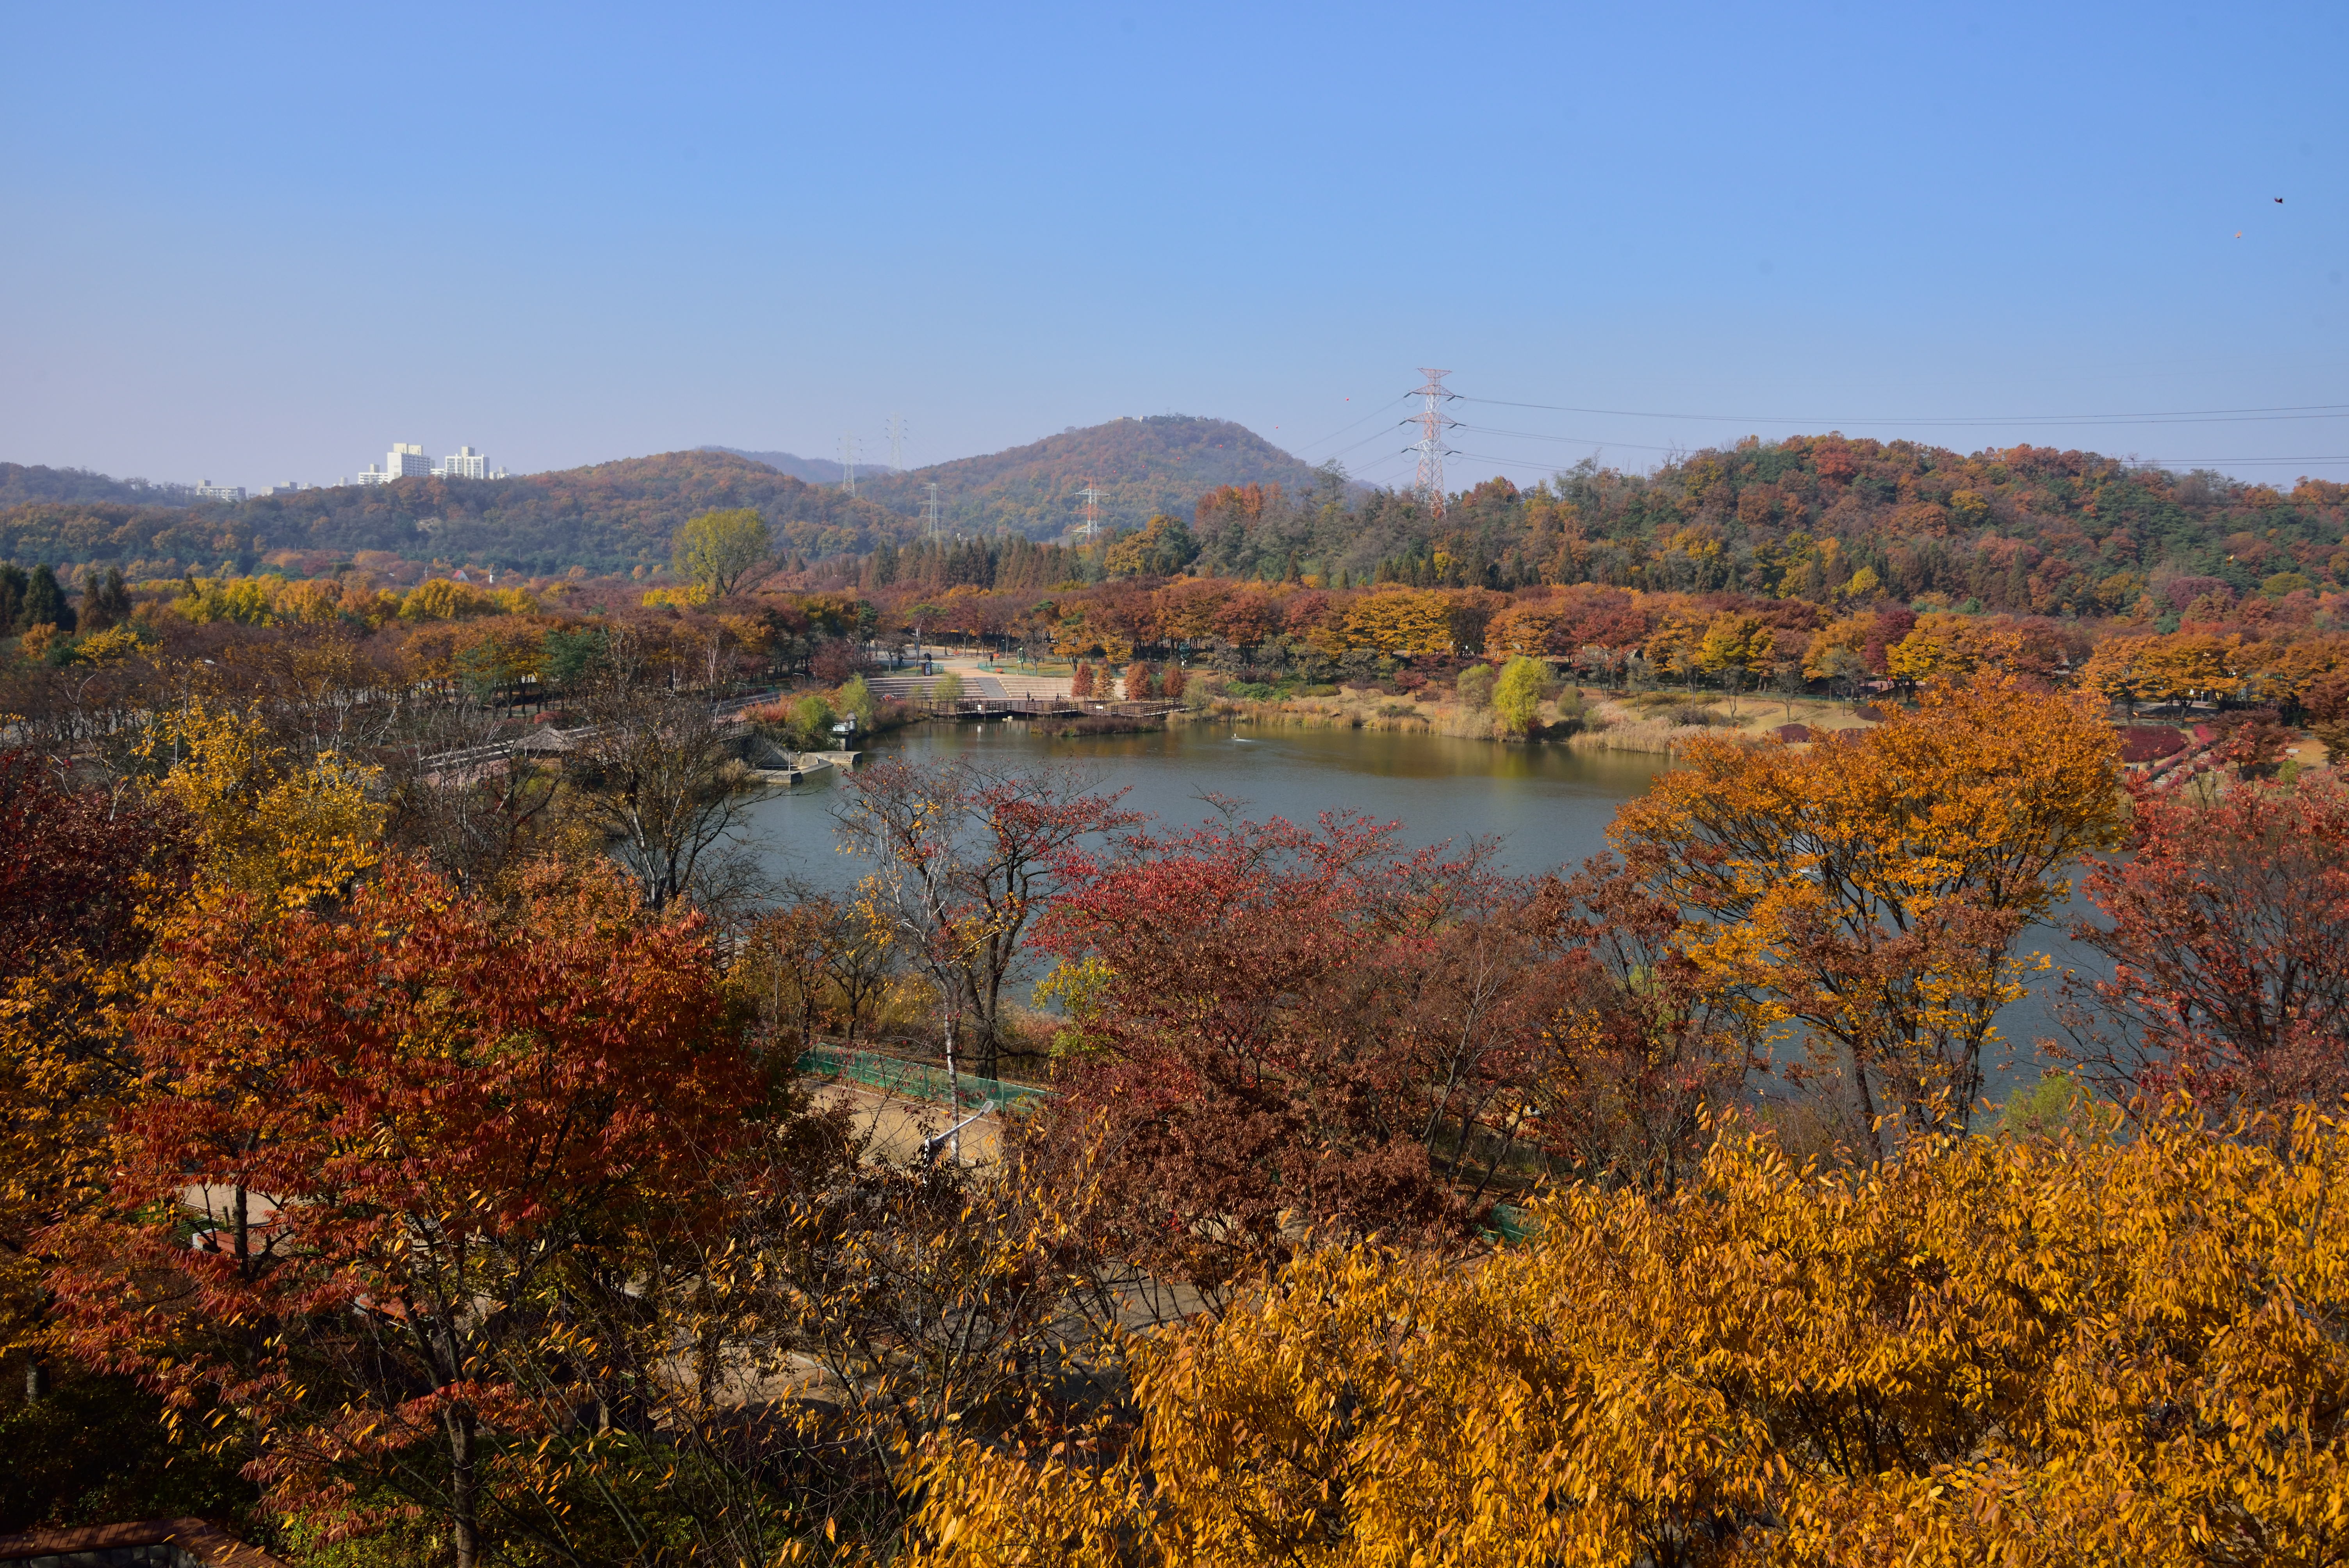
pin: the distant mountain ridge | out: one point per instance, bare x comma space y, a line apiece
606, 517
23, 482
615, 515
815, 470
1162, 463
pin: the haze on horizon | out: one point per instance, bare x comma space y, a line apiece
256, 245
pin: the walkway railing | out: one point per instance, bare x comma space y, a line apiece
915, 1080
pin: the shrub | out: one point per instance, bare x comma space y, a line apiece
2148, 744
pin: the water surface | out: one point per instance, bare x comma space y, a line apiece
1547, 807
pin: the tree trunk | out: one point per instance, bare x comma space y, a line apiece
954, 1089
464, 1502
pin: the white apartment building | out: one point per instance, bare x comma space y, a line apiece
211, 491
406, 461
464, 463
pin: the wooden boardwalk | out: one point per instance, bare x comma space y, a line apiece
1039, 707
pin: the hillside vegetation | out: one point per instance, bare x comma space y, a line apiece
1161, 464
23, 482
608, 517
2026, 530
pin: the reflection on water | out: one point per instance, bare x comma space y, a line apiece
1547, 806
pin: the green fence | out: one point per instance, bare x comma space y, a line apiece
915, 1080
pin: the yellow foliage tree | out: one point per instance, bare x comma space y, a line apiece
2173, 669
1517, 694
1742, 643
1848, 634
246, 600
263, 823
1869, 893
2012, 1350
720, 550
1406, 620
441, 599
1942, 644
1526, 628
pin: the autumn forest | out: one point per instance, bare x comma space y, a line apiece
431, 1136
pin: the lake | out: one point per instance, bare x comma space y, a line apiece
1549, 806
1546, 806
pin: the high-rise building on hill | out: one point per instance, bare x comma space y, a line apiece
211, 491
408, 461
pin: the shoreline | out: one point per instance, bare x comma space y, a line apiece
1607, 723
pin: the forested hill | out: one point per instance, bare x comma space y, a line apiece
2029, 529
1163, 463
22, 482
608, 517
815, 471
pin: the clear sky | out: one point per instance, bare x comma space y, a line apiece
253, 244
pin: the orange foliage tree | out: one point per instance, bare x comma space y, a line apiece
1869, 894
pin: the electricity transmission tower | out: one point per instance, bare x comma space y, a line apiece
898, 442
1091, 495
930, 513
1432, 423
848, 464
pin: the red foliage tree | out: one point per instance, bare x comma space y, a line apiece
2227, 930
404, 1139
76, 865
967, 857
1279, 1027
1226, 1065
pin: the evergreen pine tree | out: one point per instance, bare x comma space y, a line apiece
45, 602
105, 601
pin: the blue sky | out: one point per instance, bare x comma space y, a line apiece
253, 244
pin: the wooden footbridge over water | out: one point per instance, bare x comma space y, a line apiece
985, 707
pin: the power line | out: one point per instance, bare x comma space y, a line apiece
1356, 425
1570, 440
1378, 435
1091, 495
848, 464
2182, 415
2140, 462
898, 442
2214, 462
931, 522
